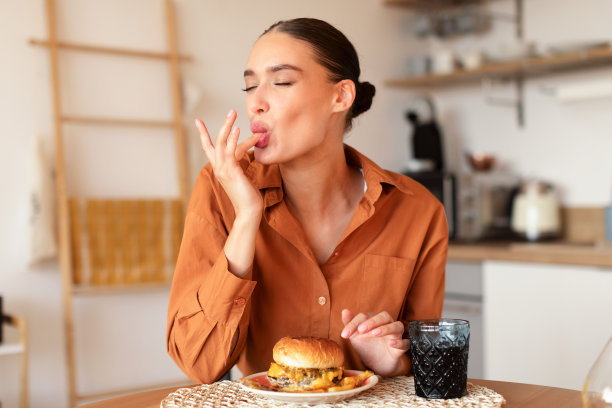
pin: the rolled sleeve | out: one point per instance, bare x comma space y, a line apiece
209, 307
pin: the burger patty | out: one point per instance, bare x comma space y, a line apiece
306, 378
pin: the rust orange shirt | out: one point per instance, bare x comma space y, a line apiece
391, 257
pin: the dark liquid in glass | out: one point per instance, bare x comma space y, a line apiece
440, 370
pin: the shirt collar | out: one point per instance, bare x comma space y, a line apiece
267, 178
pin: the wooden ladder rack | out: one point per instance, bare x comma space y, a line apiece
71, 286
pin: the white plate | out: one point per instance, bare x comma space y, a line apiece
312, 397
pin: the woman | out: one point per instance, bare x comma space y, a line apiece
304, 235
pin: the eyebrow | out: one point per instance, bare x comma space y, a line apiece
275, 68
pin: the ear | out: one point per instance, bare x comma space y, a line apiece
344, 96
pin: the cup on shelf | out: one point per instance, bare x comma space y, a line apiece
419, 65
472, 59
443, 62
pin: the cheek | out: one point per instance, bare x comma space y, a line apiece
305, 110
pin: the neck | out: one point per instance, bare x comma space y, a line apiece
316, 184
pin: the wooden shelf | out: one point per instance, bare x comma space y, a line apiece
526, 68
11, 348
430, 4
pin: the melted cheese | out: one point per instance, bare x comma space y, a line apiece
321, 379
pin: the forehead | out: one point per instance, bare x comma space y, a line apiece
279, 48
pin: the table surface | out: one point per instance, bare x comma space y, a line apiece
516, 394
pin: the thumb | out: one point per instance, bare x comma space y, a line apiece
347, 316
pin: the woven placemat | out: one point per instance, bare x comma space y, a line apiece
390, 392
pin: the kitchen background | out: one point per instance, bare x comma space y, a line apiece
120, 337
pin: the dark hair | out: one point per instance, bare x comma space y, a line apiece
336, 53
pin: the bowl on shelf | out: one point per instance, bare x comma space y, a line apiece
480, 161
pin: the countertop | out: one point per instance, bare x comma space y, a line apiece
542, 252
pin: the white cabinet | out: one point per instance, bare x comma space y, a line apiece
463, 300
544, 324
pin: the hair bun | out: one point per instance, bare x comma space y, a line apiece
363, 99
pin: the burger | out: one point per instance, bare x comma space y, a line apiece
306, 364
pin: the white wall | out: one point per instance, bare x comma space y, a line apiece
218, 34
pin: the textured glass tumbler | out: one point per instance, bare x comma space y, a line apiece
440, 349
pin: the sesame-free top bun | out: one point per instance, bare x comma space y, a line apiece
308, 352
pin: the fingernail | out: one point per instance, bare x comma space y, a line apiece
363, 328
230, 113
197, 122
376, 332
344, 334
393, 342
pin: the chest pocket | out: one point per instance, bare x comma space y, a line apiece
384, 283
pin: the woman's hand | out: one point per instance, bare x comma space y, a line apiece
224, 157
377, 339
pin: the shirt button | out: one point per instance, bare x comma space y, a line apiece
322, 300
239, 301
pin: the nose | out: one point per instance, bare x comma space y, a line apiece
257, 101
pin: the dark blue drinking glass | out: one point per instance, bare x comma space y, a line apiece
439, 349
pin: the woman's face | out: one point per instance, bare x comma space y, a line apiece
289, 99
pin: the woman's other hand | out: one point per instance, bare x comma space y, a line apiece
224, 157
377, 339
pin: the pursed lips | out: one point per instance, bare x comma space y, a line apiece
262, 130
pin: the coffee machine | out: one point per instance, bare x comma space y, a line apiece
427, 164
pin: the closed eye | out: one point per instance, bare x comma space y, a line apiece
249, 88
284, 83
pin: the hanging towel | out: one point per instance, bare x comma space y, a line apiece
43, 242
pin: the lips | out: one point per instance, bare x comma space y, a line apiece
264, 134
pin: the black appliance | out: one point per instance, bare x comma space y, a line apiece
443, 186
426, 138
1, 319
426, 144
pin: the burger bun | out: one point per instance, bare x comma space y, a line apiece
308, 352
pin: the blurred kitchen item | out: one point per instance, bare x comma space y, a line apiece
450, 22
581, 91
422, 25
535, 212
420, 165
472, 59
419, 65
472, 20
512, 51
608, 221
427, 163
445, 24
480, 161
443, 186
597, 389
608, 218
443, 62
576, 46
426, 138
1, 320
484, 205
